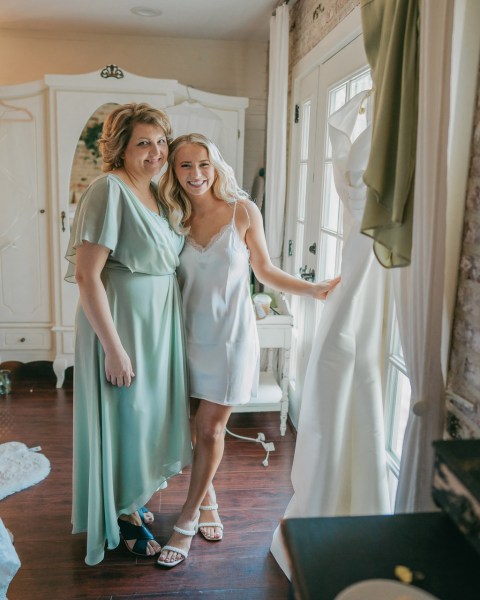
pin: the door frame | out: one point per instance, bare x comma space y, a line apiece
342, 35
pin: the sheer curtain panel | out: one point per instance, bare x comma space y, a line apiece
419, 288
276, 162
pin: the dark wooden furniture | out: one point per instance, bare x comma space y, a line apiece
327, 554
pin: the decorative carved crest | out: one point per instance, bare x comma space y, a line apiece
111, 71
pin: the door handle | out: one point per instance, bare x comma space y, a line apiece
63, 215
313, 248
307, 274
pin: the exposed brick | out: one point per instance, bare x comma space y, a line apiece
470, 268
472, 234
473, 197
472, 372
311, 21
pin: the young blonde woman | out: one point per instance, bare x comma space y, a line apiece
225, 236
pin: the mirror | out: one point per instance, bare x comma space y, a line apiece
87, 161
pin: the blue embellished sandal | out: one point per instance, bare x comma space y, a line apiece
140, 533
146, 515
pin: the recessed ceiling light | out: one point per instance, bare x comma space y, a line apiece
143, 11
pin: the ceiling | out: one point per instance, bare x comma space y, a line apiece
198, 19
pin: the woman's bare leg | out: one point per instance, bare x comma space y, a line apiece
210, 497
209, 442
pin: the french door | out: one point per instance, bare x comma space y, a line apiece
314, 227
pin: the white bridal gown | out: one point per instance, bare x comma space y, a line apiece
339, 464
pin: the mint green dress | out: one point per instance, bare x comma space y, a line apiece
127, 441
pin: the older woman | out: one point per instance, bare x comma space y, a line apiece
131, 429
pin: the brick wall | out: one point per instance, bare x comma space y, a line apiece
310, 21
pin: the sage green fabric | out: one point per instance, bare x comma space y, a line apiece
391, 39
127, 441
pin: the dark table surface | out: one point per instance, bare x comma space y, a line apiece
327, 554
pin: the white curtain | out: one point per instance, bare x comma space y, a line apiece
276, 161
339, 464
419, 288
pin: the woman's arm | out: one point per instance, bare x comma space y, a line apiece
91, 259
269, 274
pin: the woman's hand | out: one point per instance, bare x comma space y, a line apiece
118, 368
91, 259
323, 288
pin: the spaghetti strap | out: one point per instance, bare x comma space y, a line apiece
248, 216
234, 211
246, 212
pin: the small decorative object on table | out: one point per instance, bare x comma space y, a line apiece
262, 303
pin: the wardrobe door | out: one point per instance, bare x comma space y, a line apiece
25, 299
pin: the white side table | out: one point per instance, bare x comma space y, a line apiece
274, 332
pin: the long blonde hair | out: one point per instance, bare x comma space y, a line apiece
118, 126
172, 195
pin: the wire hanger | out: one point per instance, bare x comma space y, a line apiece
10, 108
189, 96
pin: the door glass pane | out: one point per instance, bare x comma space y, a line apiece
302, 191
397, 391
338, 97
331, 203
360, 82
305, 120
328, 255
402, 407
299, 237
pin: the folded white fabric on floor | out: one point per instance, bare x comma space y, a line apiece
20, 467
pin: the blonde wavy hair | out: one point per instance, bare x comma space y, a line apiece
118, 126
172, 195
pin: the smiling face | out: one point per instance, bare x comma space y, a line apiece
194, 170
146, 151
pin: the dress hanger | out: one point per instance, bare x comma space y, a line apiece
9, 108
363, 103
190, 100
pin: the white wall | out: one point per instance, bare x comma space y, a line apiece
224, 67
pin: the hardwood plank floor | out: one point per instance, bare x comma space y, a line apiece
252, 500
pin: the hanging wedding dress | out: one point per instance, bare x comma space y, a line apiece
193, 117
339, 464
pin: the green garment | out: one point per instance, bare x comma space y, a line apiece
390, 30
127, 441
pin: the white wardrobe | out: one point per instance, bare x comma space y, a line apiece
40, 127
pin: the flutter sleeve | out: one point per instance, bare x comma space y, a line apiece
97, 220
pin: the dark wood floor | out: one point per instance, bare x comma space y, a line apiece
252, 500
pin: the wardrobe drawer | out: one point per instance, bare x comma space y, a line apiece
18, 339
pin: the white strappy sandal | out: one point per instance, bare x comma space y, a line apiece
211, 524
183, 553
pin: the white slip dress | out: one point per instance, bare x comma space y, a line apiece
222, 339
